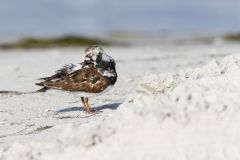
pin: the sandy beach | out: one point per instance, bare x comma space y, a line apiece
169, 102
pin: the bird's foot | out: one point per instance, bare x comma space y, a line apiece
91, 111
87, 109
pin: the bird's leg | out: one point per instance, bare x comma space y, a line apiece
88, 109
86, 106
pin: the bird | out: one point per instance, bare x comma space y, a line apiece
94, 76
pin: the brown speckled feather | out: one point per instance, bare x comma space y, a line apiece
86, 79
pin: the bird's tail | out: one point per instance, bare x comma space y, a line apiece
44, 89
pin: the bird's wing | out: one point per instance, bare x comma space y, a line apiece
86, 79
63, 72
70, 68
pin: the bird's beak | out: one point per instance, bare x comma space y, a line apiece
88, 56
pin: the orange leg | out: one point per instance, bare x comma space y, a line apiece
86, 106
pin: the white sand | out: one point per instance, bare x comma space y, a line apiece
186, 108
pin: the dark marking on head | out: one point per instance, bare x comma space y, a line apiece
91, 48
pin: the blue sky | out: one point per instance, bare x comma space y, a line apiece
96, 17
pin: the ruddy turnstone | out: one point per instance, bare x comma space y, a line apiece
92, 77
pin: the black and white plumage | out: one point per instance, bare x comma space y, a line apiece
92, 77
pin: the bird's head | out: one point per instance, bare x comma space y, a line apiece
93, 52
97, 55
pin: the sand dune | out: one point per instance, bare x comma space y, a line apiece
170, 102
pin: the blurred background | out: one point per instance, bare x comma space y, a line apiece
118, 18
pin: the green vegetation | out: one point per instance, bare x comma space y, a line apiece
232, 37
65, 41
